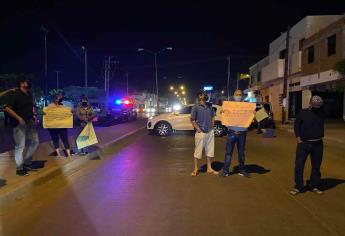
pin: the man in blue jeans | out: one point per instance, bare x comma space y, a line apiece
20, 107
236, 136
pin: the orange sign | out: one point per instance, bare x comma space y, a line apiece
239, 114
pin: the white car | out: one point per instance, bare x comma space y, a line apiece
165, 124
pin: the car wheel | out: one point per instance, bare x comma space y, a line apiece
163, 129
218, 130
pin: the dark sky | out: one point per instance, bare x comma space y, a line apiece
202, 34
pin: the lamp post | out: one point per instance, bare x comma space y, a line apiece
156, 69
45, 64
57, 78
85, 58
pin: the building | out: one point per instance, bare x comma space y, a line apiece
321, 51
272, 68
255, 72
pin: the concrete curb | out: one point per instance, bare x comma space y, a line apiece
43, 177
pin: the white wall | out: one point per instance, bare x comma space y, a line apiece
273, 71
323, 77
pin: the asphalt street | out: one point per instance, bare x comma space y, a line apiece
142, 186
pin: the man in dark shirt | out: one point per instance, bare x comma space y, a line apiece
309, 131
202, 118
20, 107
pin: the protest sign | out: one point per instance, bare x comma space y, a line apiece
57, 117
87, 137
239, 114
261, 115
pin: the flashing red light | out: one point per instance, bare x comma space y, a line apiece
126, 102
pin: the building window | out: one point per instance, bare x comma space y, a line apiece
282, 54
259, 76
301, 43
311, 54
332, 45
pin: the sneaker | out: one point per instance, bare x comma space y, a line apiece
22, 173
221, 174
295, 191
244, 174
317, 191
28, 168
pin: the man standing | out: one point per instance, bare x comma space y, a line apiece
309, 131
236, 135
202, 118
20, 107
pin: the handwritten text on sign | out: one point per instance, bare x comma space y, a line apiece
57, 117
239, 114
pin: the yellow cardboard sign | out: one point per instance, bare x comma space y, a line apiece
87, 137
239, 114
261, 115
57, 117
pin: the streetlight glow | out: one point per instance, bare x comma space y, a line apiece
182, 87
176, 92
183, 92
171, 88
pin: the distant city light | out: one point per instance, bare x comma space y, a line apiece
177, 107
208, 88
171, 87
182, 87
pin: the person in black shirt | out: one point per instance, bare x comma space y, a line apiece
309, 131
20, 107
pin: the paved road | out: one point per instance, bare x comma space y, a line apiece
141, 186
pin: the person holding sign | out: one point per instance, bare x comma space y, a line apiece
58, 133
202, 118
85, 115
237, 118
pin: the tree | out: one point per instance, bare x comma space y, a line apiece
340, 67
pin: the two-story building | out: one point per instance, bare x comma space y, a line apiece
321, 51
272, 74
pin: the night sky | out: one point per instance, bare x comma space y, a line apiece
202, 34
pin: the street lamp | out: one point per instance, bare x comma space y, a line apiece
171, 88
182, 87
85, 58
57, 78
45, 64
183, 92
156, 72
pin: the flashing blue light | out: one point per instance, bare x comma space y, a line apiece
118, 101
208, 88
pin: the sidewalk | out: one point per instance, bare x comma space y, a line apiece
13, 186
334, 130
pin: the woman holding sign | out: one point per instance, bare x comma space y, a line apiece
59, 133
85, 115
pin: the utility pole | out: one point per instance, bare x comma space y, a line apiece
127, 83
228, 82
238, 78
286, 71
109, 69
57, 78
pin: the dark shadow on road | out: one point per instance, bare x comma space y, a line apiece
253, 169
2, 182
216, 165
38, 164
329, 183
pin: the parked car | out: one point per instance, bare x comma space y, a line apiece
165, 124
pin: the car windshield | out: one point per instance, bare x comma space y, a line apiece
185, 110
